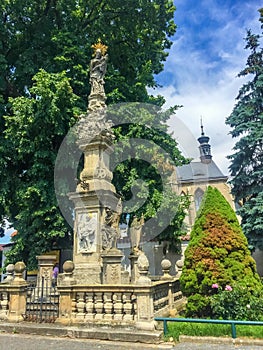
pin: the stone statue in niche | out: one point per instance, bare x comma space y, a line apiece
87, 232
110, 228
136, 233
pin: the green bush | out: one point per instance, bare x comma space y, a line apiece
217, 254
239, 303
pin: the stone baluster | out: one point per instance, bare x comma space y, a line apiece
99, 306
89, 306
127, 307
80, 307
107, 298
4, 305
134, 305
117, 307
74, 306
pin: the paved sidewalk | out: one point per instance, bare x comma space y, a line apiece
33, 342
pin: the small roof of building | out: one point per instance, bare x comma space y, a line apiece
199, 172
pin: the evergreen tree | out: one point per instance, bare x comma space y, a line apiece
246, 121
217, 254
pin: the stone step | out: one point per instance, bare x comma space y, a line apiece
84, 332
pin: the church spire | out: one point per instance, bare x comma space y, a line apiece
205, 148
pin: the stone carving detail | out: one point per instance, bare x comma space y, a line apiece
94, 124
98, 67
114, 274
102, 172
110, 229
136, 233
87, 232
45, 273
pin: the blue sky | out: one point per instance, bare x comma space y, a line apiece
201, 70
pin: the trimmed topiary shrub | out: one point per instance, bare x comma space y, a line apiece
217, 254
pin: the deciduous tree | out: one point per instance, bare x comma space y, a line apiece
45, 51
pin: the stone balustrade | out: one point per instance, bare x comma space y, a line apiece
118, 305
133, 304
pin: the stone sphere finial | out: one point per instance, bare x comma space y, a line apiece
19, 267
68, 266
179, 266
10, 268
166, 266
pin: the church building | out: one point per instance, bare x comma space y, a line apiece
194, 178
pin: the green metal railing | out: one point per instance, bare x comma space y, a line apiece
233, 323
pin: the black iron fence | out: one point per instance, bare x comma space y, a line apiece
42, 303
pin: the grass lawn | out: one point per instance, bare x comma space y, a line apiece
214, 330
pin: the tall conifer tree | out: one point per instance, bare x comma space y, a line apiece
246, 122
217, 254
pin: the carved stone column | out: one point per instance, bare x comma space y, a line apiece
45, 271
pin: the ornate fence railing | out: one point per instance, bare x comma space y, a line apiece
134, 304
123, 304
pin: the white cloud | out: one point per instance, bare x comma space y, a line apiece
203, 78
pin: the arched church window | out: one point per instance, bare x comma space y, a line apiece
198, 198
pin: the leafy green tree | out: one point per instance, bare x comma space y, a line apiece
246, 121
34, 130
57, 35
45, 50
152, 160
217, 255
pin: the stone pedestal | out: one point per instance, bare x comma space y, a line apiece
134, 267
17, 293
90, 209
112, 267
45, 270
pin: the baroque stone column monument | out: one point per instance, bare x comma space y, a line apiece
97, 205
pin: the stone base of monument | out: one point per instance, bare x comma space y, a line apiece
111, 262
88, 274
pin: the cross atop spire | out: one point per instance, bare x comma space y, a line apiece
202, 127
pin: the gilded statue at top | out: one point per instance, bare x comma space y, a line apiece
98, 67
94, 121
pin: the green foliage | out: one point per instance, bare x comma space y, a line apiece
57, 36
217, 254
240, 303
44, 55
246, 121
34, 131
148, 170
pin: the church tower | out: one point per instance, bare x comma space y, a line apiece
204, 148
